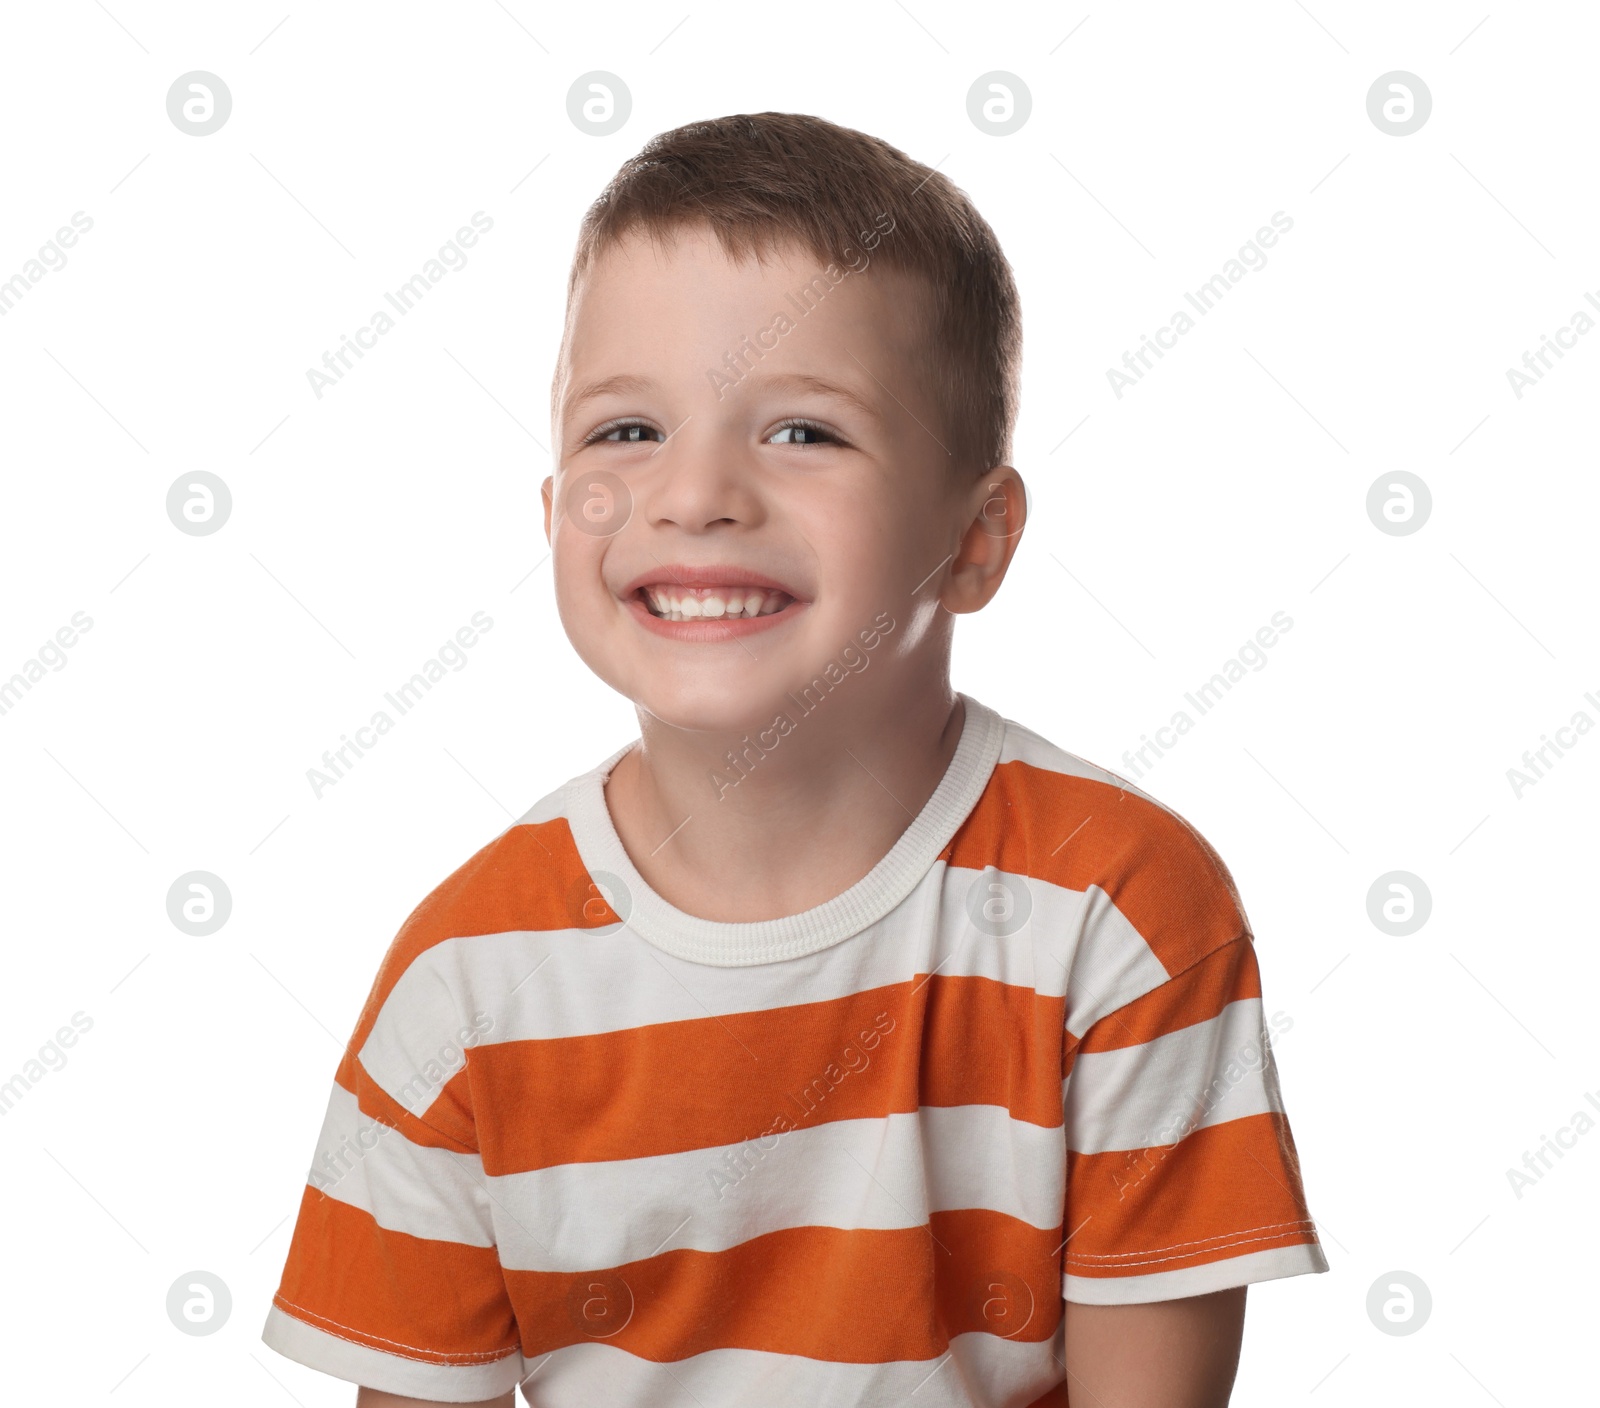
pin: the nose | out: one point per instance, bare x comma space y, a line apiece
697, 478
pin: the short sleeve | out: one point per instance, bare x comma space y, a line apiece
393, 1280
1182, 1176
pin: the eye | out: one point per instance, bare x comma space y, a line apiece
621, 432
802, 432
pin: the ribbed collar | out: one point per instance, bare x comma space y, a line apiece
794, 935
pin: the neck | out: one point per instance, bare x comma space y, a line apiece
810, 802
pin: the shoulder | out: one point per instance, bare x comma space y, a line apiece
1052, 816
528, 878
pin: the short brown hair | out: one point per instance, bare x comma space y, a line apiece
758, 180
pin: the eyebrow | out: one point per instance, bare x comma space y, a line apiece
622, 385
627, 384
820, 386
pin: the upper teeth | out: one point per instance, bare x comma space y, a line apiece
690, 603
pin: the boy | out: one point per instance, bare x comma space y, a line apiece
838, 1040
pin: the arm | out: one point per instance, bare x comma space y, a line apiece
1163, 1354
374, 1398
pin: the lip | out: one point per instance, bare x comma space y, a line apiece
674, 574
722, 628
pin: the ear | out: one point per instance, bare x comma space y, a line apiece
547, 492
997, 511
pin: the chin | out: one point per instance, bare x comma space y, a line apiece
707, 705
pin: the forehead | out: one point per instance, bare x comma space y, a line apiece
684, 303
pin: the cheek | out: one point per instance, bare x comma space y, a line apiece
864, 581
899, 545
577, 558
870, 553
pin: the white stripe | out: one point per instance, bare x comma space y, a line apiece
853, 1174
1151, 1095
1023, 745
557, 803
1112, 964
344, 1358
872, 1173
424, 1029
434, 1193
1240, 1270
569, 982
977, 1368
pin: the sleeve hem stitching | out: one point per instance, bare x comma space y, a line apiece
1304, 1230
425, 1356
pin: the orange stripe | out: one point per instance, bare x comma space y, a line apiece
447, 1124
530, 878
992, 1043
422, 1299
1159, 871
822, 1292
670, 1087
1225, 1191
1231, 974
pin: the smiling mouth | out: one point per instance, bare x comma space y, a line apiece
670, 603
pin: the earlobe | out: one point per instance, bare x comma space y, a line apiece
547, 493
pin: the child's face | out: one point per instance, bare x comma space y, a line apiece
852, 516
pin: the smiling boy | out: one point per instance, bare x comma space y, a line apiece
836, 1040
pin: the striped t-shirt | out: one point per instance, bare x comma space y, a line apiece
589, 1143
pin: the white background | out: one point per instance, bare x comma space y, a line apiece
369, 525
